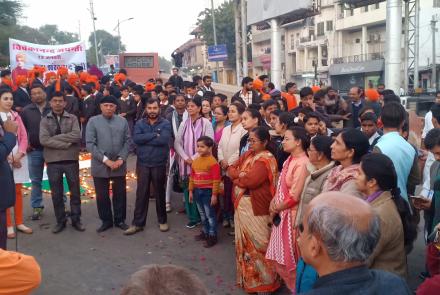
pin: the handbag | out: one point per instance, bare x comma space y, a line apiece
177, 187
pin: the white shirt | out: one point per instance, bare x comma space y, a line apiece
373, 137
428, 124
429, 160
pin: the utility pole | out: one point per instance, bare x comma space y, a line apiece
393, 46
215, 38
237, 40
244, 37
119, 32
92, 13
79, 30
434, 64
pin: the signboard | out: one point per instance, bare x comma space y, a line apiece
24, 56
217, 53
111, 60
262, 10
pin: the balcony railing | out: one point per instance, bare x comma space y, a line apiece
358, 58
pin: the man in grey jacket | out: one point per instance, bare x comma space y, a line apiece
108, 138
60, 136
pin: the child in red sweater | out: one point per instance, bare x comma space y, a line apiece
203, 189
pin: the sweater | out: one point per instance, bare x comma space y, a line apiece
229, 145
205, 173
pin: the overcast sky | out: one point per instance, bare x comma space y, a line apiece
158, 26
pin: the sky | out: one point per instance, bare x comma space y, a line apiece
157, 26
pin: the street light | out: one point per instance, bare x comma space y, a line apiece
119, 32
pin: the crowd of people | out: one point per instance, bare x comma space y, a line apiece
318, 191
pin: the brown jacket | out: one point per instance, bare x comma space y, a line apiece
312, 187
257, 182
64, 146
389, 254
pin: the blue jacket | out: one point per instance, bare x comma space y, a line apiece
7, 195
152, 142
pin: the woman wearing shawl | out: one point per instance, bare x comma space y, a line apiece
347, 149
282, 250
254, 178
185, 145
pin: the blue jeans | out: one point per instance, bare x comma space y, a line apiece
36, 167
202, 197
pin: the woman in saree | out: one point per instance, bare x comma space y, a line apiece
254, 178
282, 250
185, 145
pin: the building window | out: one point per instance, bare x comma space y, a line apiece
329, 25
138, 61
320, 29
292, 41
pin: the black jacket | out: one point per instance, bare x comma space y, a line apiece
128, 107
21, 98
31, 117
7, 196
256, 98
177, 81
360, 280
152, 142
72, 105
88, 108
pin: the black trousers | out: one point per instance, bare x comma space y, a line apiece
55, 172
119, 198
3, 230
145, 177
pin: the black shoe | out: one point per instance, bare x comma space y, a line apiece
192, 224
36, 213
210, 241
104, 227
122, 225
201, 237
59, 227
78, 226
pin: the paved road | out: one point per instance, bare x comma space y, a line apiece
90, 263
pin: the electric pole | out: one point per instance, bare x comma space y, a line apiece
244, 37
237, 40
92, 13
215, 38
434, 65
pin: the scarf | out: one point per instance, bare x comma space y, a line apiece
339, 176
191, 132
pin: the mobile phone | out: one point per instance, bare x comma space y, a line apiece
276, 220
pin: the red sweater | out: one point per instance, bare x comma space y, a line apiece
205, 173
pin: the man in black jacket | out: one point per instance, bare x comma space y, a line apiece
152, 136
247, 95
176, 80
21, 96
31, 116
8, 140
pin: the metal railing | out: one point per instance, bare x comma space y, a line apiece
358, 58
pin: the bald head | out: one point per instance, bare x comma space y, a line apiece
346, 226
354, 209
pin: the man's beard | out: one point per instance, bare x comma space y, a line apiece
152, 115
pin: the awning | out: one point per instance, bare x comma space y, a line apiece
357, 68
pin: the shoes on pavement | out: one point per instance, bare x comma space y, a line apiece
181, 211
37, 213
231, 233
132, 230
163, 227
11, 232
201, 237
231, 223
78, 226
122, 225
210, 241
225, 223
192, 224
104, 227
24, 229
59, 227
168, 207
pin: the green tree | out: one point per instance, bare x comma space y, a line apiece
107, 45
56, 36
225, 28
164, 64
10, 11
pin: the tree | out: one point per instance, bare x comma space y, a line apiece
56, 36
107, 45
164, 64
225, 28
10, 11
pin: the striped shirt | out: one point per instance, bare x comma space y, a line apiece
205, 173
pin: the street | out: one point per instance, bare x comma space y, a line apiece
90, 263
